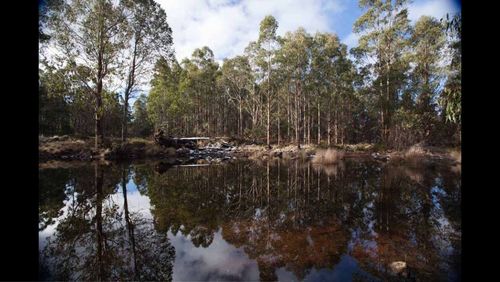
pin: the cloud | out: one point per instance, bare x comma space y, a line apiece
434, 8
227, 26
219, 261
351, 40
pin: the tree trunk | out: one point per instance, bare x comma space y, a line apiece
240, 125
297, 90
304, 121
99, 134
278, 121
288, 120
329, 128
319, 124
128, 90
98, 182
130, 226
268, 123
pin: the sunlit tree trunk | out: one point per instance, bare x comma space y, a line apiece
319, 124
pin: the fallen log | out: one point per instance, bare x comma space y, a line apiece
163, 141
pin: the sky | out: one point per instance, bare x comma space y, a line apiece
227, 26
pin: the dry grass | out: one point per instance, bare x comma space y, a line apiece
456, 155
415, 151
136, 140
361, 147
329, 156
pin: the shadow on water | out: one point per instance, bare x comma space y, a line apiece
277, 220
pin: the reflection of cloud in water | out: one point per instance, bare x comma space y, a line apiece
137, 203
219, 261
345, 270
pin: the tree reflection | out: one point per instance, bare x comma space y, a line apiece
95, 239
283, 214
299, 216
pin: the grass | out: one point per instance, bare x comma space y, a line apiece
328, 156
414, 152
455, 155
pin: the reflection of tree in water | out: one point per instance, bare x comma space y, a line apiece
93, 242
293, 215
408, 223
299, 216
51, 195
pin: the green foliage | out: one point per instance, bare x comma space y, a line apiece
141, 125
398, 87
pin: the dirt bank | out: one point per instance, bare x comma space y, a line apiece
216, 150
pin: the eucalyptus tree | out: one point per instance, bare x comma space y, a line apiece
254, 101
451, 95
165, 101
236, 80
294, 58
384, 30
87, 38
151, 38
201, 76
267, 43
427, 41
329, 66
141, 124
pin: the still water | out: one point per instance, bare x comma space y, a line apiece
250, 221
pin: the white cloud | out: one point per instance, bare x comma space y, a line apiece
219, 261
227, 27
434, 8
351, 40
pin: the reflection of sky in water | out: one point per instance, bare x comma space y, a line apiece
137, 203
219, 261
222, 261
345, 270
446, 230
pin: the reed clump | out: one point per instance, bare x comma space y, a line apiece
328, 156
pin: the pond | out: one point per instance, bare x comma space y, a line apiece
249, 220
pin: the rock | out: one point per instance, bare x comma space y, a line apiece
182, 151
397, 266
201, 161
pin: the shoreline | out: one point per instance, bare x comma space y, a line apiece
217, 150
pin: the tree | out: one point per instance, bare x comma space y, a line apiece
87, 39
384, 29
141, 124
427, 41
165, 100
267, 44
451, 95
201, 76
236, 80
294, 60
151, 38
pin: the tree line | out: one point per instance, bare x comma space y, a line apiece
400, 85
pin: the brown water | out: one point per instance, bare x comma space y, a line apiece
250, 221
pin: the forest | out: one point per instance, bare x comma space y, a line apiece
400, 86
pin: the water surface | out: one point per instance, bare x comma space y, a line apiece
250, 221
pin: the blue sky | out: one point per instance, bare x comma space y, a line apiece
227, 26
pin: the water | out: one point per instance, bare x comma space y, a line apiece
250, 221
